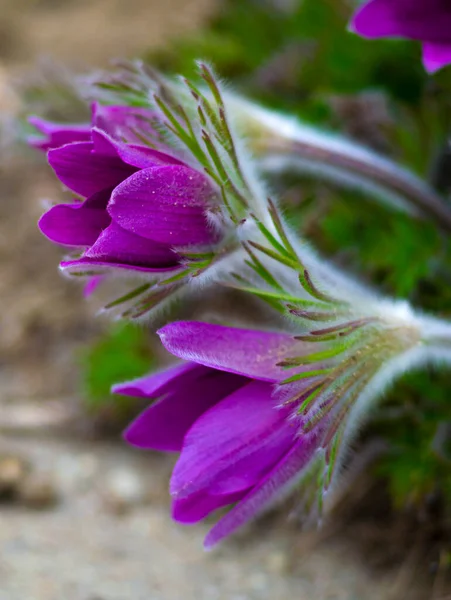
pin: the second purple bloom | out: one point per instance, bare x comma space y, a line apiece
428, 21
221, 412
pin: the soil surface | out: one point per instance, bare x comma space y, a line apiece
110, 537
84, 520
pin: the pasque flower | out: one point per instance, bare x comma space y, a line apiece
138, 203
428, 21
254, 414
161, 187
221, 412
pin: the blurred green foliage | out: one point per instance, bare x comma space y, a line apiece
299, 57
416, 420
294, 58
122, 353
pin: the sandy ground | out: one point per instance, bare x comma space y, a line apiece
111, 538
108, 535
92, 31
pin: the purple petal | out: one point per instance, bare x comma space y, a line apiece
86, 172
234, 444
86, 266
436, 56
428, 20
116, 245
157, 384
141, 157
189, 390
57, 134
92, 285
77, 224
166, 204
194, 508
247, 352
286, 472
377, 18
121, 122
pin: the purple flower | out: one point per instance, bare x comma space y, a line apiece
428, 21
140, 204
221, 412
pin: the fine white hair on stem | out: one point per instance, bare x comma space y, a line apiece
282, 142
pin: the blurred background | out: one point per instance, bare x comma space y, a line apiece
82, 517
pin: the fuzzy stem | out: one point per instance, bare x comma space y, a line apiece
380, 172
281, 142
435, 333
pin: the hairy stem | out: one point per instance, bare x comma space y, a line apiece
379, 171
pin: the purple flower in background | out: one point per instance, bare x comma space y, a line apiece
139, 203
221, 411
428, 21
57, 134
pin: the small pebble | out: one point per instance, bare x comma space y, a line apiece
13, 471
38, 491
277, 563
124, 489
